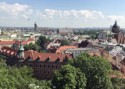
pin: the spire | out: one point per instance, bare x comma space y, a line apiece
35, 26
115, 22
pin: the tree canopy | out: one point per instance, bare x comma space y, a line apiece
96, 71
42, 41
19, 78
69, 77
32, 46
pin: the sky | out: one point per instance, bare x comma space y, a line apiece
62, 13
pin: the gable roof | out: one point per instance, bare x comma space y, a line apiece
43, 56
15, 42
34, 55
62, 48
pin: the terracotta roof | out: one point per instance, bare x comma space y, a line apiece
15, 42
62, 48
6, 42
8, 51
34, 55
44, 56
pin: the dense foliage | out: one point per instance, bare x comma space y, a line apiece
92, 33
19, 78
118, 83
42, 41
32, 46
96, 71
69, 77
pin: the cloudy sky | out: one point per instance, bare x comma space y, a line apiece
62, 13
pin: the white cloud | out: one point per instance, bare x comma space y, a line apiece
15, 9
22, 14
114, 17
50, 13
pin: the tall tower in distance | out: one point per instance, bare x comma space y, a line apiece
35, 27
115, 28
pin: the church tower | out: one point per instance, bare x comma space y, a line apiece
35, 27
20, 52
115, 28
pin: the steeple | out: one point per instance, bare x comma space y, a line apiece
115, 22
20, 52
35, 26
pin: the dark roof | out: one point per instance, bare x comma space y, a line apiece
85, 43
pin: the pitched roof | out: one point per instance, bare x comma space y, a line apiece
8, 51
15, 42
6, 42
34, 55
62, 48
43, 56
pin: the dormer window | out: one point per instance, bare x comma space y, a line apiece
65, 59
48, 59
38, 59
57, 60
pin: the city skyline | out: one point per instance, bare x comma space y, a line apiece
55, 13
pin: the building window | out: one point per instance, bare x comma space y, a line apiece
40, 71
44, 66
30, 65
44, 72
52, 66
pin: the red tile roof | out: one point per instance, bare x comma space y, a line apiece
15, 42
43, 56
62, 48
6, 42
34, 55
8, 51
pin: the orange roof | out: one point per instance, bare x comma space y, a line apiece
43, 56
62, 48
15, 42
6, 42
8, 51
34, 55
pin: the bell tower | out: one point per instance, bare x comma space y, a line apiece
20, 52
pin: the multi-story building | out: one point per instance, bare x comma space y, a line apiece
43, 64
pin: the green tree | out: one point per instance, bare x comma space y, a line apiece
96, 70
42, 41
19, 78
118, 83
65, 42
32, 46
69, 77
